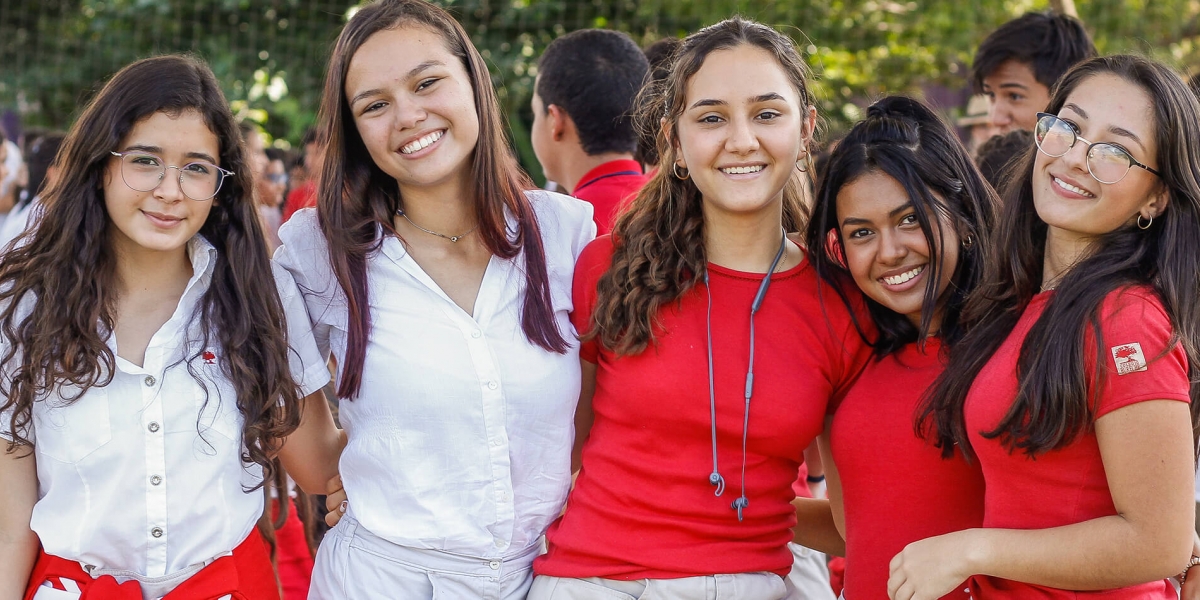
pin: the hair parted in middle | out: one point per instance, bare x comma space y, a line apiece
1052, 369
67, 268
905, 140
356, 198
658, 242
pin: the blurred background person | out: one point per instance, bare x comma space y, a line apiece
582, 131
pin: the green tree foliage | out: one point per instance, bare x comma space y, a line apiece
271, 54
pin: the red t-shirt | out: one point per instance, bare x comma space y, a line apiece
642, 506
304, 196
1067, 486
896, 487
608, 188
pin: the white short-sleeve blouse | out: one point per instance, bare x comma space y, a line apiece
460, 439
145, 474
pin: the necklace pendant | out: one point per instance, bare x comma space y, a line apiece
454, 238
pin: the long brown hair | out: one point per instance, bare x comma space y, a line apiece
658, 252
1053, 406
356, 197
65, 276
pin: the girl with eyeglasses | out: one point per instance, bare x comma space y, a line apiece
152, 361
711, 351
902, 212
440, 282
1071, 386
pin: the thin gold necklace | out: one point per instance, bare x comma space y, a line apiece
452, 238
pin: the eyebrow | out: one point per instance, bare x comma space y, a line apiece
417, 70
156, 150
891, 215
1121, 131
767, 97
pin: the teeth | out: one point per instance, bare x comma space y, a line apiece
742, 170
904, 277
1069, 187
422, 143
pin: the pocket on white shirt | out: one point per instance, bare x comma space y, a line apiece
70, 432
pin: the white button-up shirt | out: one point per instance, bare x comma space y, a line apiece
145, 474
460, 438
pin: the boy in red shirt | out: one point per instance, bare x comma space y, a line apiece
582, 130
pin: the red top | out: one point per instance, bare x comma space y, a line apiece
896, 487
1067, 486
642, 506
608, 188
304, 196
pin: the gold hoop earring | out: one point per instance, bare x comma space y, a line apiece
675, 171
799, 169
1147, 225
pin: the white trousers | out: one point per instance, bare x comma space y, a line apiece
739, 586
354, 564
810, 573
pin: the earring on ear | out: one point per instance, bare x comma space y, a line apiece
968, 241
675, 171
802, 157
1147, 225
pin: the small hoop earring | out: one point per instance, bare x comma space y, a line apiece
799, 169
1147, 225
968, 241
675, 171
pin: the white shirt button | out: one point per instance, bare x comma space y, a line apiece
150, 381
155, 480
153, 427
497, 443
495, 565
156, 532
493, 385
476, 334
499, 543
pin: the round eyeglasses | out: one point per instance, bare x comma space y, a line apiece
1108, 163
199, 180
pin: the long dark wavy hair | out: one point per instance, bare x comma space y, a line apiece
355, 196
65, 274
905, 140
659, 252
1053, 407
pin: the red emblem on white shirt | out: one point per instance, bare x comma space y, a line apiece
1129, 358
209, 357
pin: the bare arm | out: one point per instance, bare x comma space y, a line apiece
310, 455
820, 523
584, 416
1147, 453
18, 543
833, 480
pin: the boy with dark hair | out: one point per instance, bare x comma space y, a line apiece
583, 132
1018, 64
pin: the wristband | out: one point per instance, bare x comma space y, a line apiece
814, 479
1191, 563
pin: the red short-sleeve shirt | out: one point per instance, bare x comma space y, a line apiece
609, 188
896, 487
642, 506
1068, 486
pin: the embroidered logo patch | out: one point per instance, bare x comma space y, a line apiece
1129, 358
210, 358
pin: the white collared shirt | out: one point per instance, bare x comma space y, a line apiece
145, 474
460, 438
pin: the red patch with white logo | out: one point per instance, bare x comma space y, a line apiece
209, 357
1129, 358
